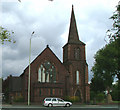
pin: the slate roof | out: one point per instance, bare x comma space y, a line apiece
73, 37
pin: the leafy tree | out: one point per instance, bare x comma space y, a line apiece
6, 36
107, 59
105, 66
114, 35
114, 32
97, 84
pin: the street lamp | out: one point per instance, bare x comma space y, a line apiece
29, 69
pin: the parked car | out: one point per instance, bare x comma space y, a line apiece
50, 102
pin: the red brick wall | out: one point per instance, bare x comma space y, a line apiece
77, 64
46, 55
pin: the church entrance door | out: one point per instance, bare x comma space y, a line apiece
78, 95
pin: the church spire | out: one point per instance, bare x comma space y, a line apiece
73, 33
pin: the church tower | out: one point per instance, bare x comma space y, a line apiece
74, 59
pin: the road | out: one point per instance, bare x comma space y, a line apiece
74, 107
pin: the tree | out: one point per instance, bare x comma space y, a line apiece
114, 32
107, 59
96, 87
97, 84
114, 35
6, 36
104, 66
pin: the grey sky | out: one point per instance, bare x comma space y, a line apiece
50, 21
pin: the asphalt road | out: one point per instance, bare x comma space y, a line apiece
75, 107
60, 108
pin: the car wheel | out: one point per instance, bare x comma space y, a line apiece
50, 105
67, 105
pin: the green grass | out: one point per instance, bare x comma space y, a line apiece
116, 102
105, 102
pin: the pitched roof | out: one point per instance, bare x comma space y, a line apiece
51, 54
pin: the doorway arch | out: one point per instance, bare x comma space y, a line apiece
78, 95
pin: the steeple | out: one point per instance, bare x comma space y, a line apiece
73, 33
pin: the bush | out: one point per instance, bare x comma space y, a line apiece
115, 95
100, 97
72, 98
18, 99
92, 95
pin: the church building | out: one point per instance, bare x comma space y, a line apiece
52, 78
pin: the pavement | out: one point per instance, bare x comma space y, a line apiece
74, 105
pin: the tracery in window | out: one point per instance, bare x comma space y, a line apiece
47, 72
77, 53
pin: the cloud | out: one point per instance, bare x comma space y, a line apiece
50, 21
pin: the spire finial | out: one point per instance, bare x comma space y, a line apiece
72, 6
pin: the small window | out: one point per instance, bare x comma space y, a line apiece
54, 100
60, 100
48, 100
77, 77
40, 92
77, 53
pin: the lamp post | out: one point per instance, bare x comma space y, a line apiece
29, 70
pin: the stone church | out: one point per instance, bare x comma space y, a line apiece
52, 78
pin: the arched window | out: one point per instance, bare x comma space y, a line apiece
77, 77
47, 72
77, 53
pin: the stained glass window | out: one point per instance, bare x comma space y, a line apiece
47, 72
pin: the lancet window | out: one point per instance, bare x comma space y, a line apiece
77, 77
77, 53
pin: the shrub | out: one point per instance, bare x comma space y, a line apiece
92, 95
115, 95
72, 98
18, 99
100, 97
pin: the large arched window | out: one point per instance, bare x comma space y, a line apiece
47, 72
77, 53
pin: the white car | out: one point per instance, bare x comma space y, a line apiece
50, 102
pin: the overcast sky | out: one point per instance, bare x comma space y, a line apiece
50, 20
